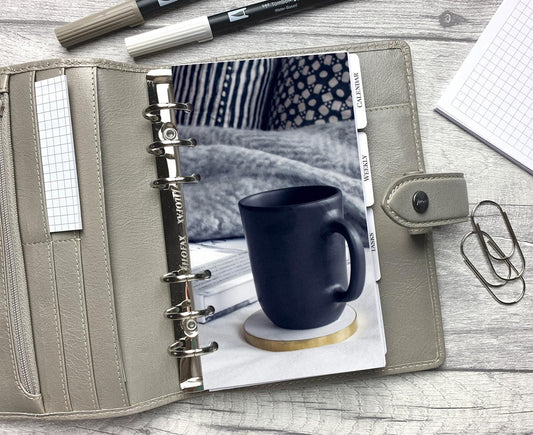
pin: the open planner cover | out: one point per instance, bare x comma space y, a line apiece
126, 282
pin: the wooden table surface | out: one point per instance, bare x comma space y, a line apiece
486, 383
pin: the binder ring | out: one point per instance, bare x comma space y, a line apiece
158, 148
175, 313
178, 350
175, 276
167, 183
153, 111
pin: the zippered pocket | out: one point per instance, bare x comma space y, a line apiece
19, 328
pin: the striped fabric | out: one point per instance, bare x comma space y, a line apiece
226, 94
267, 94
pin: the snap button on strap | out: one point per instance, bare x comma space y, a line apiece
421, 201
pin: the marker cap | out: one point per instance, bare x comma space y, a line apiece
195, 30
123, 15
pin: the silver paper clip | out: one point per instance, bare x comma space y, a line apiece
495, 256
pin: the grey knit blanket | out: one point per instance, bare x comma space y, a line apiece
235, 163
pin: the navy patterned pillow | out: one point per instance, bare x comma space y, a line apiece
311, 90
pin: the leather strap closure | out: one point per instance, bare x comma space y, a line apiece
421, 201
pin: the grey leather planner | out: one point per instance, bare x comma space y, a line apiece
96, 313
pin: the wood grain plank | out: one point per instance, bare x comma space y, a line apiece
436, 19
426, 402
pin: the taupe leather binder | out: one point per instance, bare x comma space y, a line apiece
86, 320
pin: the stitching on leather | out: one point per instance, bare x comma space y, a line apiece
416, 231
428, 223
55, 242
360, 47
400, 219
57, 325
143, 406
436, 315
419, 365
9, 339
432, 279
48, 247
408, 70
410, 86
8, 328
104, 245
66, 63
404, 48
36, 152
8, 323
84, 326
389, 107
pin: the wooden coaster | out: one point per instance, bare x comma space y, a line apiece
260, 332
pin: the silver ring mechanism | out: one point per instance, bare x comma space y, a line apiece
158, 148
168, 183
178, 350
153, 111
175, 276
177, 313
166, 146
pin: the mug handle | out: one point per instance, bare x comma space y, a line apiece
357, 259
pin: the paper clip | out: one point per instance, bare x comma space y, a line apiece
497, 256
501, 256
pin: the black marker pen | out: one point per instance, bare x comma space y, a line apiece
205, 28
128, 14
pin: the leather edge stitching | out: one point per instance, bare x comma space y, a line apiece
404, 48
116, 412
104, 243
49, 248
388, 107
432, 279
409, 224
10, 338
83, 314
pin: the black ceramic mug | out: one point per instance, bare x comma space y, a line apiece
295, 240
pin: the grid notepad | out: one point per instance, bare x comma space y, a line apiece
492, 94
57, 154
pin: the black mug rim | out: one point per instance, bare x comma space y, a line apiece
326, 194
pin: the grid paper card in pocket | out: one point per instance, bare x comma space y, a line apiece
57, 154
